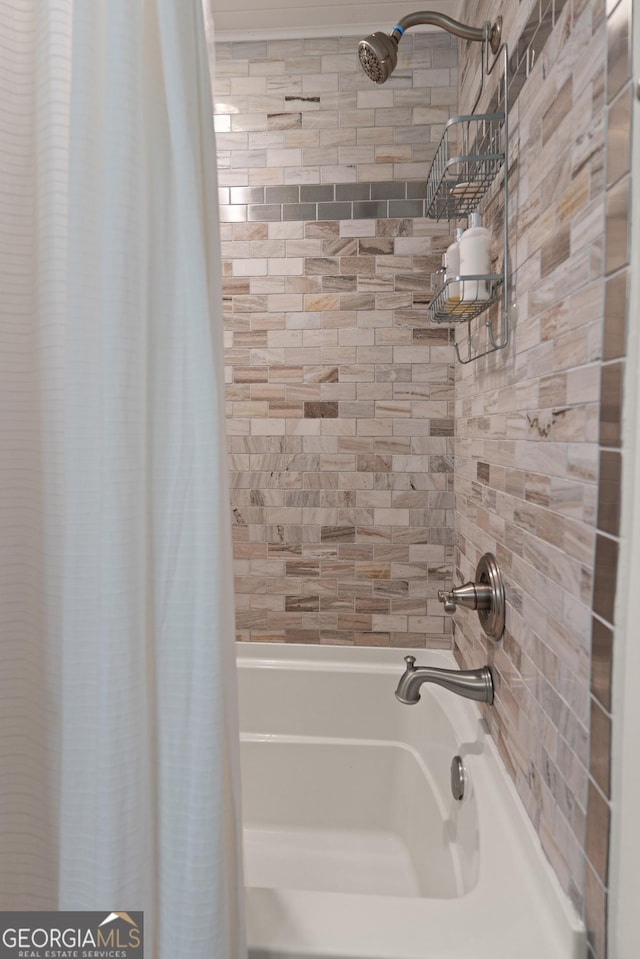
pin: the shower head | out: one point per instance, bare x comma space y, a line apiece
378, 55
378, 52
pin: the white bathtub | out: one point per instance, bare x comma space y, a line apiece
354, 845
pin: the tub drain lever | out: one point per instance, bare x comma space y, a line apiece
486, 596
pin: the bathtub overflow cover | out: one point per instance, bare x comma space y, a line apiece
457, 777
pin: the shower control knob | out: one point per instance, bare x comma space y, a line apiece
471, 595
486, 596
447, 599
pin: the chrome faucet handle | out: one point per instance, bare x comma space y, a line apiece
486, 596
471, 595
410, 661
448, 600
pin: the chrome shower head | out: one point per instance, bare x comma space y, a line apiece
378, 55
379, 51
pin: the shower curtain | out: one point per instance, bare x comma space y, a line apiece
118, 727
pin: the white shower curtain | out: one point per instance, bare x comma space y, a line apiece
118, 728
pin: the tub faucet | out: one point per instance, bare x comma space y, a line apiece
471, 683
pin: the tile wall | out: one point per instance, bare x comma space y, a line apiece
619, 94
342, 404
538, 427
340, 394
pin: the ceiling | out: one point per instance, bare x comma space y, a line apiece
255, 19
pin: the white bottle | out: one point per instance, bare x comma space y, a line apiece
475, 259
452, 268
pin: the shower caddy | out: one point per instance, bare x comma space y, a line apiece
472, 152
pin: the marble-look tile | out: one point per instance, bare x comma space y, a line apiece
367, 493
609, 492
571, 160
619, 48
600, 748
595, 912
597, 833
601, 663
617, 227
615, 316
619, 137
606, 567
611, 384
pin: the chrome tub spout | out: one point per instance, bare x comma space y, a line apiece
471, 683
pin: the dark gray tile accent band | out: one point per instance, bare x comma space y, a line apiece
326, 201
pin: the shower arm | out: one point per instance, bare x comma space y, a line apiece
490, 31
378, 52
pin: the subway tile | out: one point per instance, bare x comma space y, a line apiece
600, 747
558, 111
335, 211
609, 492
516, 84
320, 410
611, 381
324, 230
233, 214
249, 50
299, 211
284, 121
556, 250
353, 191
337, 534
605, 576
388, 190
526, 37
615, 316
302, 604
249, 123
263, 212
317, 193
406, 208
595, 913
282, 194
370, 209
597, 838
417, 190
618, 48
601, 663
616, 226
619, 137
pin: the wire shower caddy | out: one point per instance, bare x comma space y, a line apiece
472, 152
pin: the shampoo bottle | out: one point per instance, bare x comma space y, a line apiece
452, 263
475, 259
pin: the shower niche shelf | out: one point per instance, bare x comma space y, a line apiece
471, 155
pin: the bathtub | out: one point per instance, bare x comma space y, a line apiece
354, 845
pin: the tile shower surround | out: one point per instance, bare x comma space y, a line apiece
340, 394
537, 476
532, 434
